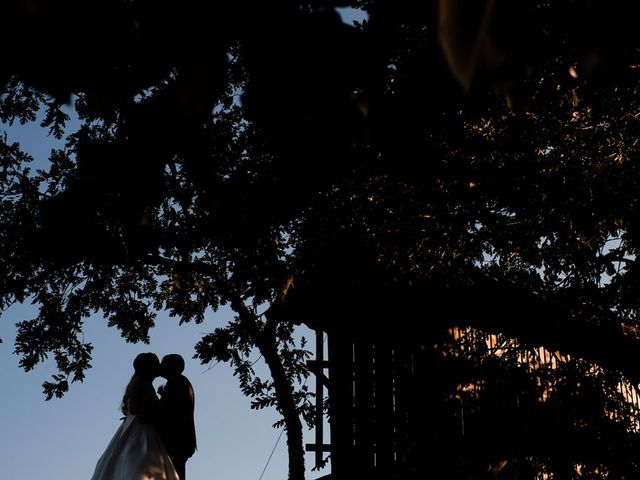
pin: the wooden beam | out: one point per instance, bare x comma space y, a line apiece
314, 447
321, 381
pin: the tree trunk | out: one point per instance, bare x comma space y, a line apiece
266, 341
284, 394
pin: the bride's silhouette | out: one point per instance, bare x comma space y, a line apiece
136, 451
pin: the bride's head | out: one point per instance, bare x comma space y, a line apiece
147, 366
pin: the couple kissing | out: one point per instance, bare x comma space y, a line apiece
157, 436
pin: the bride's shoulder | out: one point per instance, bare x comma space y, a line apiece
139, 386
141, 396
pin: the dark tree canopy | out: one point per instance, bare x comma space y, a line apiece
437, 164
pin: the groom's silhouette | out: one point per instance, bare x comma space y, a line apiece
177, 401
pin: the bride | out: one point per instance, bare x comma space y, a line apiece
136, 451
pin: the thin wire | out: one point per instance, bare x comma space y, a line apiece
255, 361
272, 451
210, 367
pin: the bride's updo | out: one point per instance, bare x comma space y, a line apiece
147, 366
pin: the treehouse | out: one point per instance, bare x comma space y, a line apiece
474, 403
453, 397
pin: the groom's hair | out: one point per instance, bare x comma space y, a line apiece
174, 362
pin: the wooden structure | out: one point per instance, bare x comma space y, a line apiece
409, 411
370, 399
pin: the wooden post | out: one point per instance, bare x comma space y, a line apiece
319, 430
341, 406
383, 392
317, 367
364, 401
402, 403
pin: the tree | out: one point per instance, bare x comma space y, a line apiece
433, 162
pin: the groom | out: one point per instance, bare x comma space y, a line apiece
177, 401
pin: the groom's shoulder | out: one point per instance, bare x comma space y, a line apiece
180, 381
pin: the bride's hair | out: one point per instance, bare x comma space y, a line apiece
145, 366
123, 405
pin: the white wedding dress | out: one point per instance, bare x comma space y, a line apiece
135, 453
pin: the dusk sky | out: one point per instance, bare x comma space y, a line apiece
63, 438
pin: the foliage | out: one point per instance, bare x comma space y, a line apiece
232, 345
434, 164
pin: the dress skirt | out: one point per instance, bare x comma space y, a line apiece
135, 453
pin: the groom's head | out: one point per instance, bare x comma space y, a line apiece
171, 365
